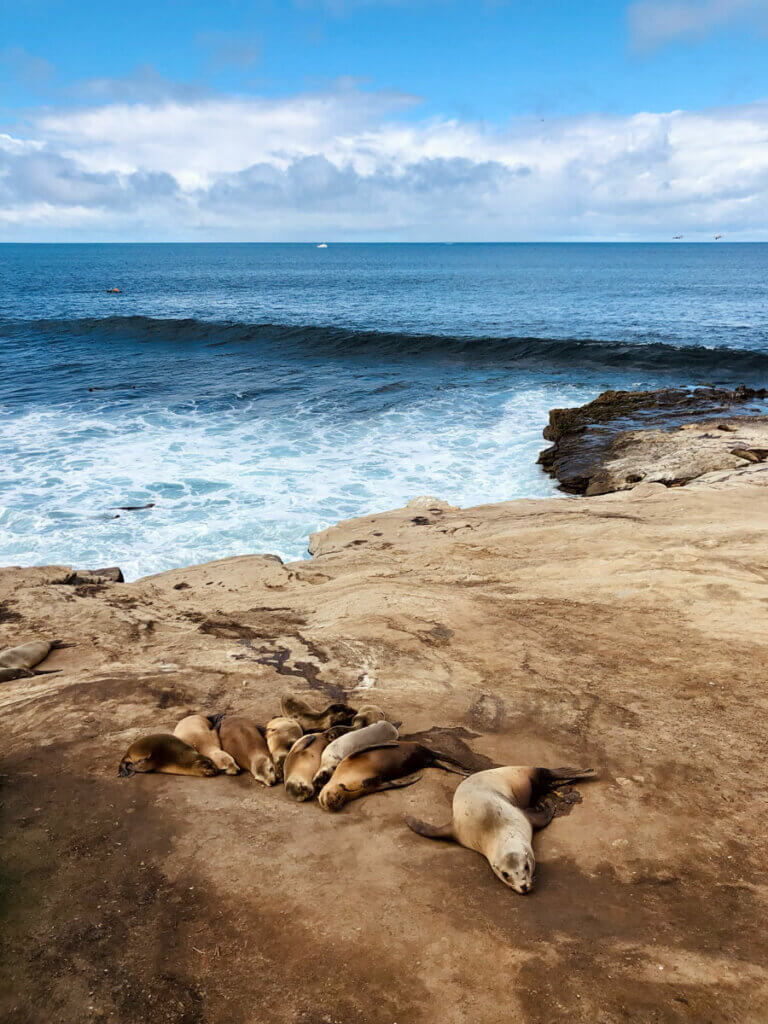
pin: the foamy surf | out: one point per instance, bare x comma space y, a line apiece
232, 481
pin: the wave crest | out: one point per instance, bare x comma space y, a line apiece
343, 341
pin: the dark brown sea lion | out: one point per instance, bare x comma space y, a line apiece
163, 752
388, 766
242, 738
316, 721
492, 814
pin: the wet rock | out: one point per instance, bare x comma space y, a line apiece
623, 438
82, 576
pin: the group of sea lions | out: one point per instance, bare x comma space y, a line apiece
341, 753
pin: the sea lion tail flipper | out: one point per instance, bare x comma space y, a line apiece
214, 720
541, 816
58, 645
457, 769
423, 828
407, 780
45, 671
448, 763
557, 776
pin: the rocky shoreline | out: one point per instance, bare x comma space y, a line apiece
670, 436
624, 630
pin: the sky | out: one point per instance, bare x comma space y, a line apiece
383, 120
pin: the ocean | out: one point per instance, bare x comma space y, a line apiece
256, 393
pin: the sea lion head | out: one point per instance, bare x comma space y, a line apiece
367, 715
333, 796
298, 789
128, 768
515, 865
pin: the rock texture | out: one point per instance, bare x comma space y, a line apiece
626, 632
669, 436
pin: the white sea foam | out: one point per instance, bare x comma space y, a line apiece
237, 481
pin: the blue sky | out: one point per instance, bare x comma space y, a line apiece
490, 117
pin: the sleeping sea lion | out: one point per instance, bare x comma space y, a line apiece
196, 730
8, 674
387, 766
367, 715
302, 763
29, 655
316, 721
242, 738
359, 739
162, 752
281, 734
492, 814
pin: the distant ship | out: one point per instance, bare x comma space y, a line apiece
322, 246
718, 237
677, 237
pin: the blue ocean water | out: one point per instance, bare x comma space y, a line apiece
255, 393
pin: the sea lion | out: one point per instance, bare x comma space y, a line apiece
242, 738
281, 734
302, 763
492, 814
367, 715
316, 721
359, 739
197, 731
387, 766
30, 654
162, 752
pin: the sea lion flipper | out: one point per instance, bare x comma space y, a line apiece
552, 777
58, 645
407, 780
423, 828
447, 766
541, 816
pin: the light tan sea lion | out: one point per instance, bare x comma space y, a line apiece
281, 734
197, 731
29, 655
302, 763
492, 814
316, 721
358, 739
367, 715
242, 738
388, 766
162, 752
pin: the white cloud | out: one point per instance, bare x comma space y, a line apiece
350, 165
655, 22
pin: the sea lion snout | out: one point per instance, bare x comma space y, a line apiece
516, 870
332, 799
207, 766
125, 771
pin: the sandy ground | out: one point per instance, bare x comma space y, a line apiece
626, 632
